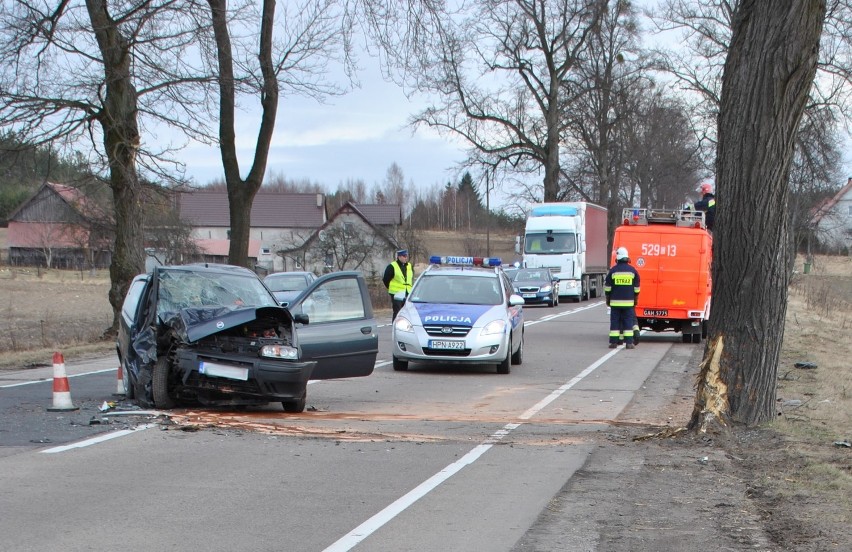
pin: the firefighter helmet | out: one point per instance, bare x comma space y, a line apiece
621, 254
706, 188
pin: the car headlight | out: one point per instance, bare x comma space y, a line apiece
401, 324
517, 289
571, 283
494, 327
279, 351
546, 289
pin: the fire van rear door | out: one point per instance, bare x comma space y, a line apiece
681, 278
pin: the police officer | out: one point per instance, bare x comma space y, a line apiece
621, 287
707, 203
399, 276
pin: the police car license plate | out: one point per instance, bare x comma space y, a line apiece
652, 312
434, 344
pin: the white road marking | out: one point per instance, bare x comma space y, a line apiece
351, 539
51, 378
98, 439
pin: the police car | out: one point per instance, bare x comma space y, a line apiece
461, 310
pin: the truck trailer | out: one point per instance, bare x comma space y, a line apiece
570, 239
672, 251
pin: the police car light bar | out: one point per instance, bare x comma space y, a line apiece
466, 261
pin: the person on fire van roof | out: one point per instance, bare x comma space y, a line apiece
707, 203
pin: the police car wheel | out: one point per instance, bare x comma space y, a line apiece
518, 356
504, 367
400, 365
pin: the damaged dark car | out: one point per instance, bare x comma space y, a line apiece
215, 335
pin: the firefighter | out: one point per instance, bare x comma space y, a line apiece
621, 287
707, 203
398, 276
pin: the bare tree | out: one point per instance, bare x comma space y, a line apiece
314, 34
341, 248
498, 69
74, 70
763, 98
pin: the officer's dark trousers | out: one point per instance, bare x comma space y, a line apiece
396, 306
621, 321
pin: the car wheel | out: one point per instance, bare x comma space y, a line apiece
129, 391
518, 356
696, 338
505, 367
295, 405
160, 383
552, 302
687, 338
400, 365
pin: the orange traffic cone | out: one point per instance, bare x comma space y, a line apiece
61, 389
119, 384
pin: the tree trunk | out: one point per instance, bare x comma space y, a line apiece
121, 142
768, 73
241, 192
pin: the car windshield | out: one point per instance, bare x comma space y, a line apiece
457, 289
549, 244
181, 289
290, 282
530, 275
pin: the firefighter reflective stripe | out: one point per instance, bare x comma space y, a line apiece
621, 302
622, 278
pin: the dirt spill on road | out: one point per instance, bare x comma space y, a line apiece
315, 424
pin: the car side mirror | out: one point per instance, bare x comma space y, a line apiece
301, 318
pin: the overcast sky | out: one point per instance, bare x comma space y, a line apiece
356, 136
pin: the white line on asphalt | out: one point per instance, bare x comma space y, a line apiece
98, 439
51, 378
351, 539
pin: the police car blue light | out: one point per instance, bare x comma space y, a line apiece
466, 261
461, 310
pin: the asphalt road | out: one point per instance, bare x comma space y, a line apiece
436, 458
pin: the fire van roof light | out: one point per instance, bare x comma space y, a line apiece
465, 261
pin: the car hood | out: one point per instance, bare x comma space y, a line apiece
455, 314
539, 283
286, 296
196, 323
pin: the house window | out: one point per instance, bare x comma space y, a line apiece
228, 233
349, 228
265, 250
849, 210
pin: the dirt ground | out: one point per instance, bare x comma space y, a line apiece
784, 486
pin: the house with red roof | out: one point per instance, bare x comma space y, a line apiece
60, 226
833, 221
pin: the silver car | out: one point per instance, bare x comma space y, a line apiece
460, 312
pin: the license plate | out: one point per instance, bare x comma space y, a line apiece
446, 344
223, 371
652, 312
529, 295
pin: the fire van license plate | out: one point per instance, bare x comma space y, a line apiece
652, 312
446, 344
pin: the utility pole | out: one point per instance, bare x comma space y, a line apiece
487, 217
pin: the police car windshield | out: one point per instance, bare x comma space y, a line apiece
457, 289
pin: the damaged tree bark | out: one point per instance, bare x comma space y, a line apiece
768, 73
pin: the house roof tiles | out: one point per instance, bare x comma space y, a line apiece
269, 210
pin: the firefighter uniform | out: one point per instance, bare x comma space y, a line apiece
622, 290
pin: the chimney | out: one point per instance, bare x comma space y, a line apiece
319, 201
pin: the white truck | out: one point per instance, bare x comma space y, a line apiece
570, 239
